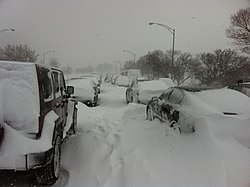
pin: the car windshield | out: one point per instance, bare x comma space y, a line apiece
166, 94
176, 96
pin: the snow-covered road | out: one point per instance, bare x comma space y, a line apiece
116, 147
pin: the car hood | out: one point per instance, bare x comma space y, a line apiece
224, 101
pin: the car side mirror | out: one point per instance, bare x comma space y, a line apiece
70, 90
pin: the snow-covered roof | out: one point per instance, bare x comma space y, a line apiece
82, 82
19, 95
219, 100
152, 85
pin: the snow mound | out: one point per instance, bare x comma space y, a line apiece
19, 96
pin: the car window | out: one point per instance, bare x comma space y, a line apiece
246, 91
176, 96
46, 85
132, 83
56, 83
62, 84
238, 88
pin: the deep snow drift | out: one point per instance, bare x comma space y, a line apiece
116, 147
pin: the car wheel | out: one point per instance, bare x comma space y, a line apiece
150, 115
127, 100
48, 174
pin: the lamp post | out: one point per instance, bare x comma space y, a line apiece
172, 31
4, 30
45, 54
130, 53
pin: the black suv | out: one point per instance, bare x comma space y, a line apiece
36, 116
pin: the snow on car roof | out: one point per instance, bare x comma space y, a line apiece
226, 100
19, 102
81, 82
152, 85
168, 81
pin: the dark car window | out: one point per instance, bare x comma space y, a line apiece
46, 84
62, 84
238, 88
132, 84
176, 96
56, 82
246, 91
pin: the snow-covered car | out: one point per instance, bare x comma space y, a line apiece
95, 78
142, 92
108, 77
168, 81
98, 76
180, 106
85, 90
242, 86
122, 81
33, 118
113, 79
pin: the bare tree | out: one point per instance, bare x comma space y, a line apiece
239, 29
223, 67
181, 66
67, 70
21, 53
54, 62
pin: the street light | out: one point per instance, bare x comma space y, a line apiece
173, 33
45, 54
130, 53
3, 30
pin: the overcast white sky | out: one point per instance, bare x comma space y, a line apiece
86, 32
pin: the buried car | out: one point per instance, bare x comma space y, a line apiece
122, 81
180, 106
243, 86
33, 118
96, 78
85, 90
142, 92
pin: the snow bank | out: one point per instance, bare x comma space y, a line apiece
19, 96
116, 147
15, 145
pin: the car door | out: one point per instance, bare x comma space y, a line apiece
64, 104
58, 101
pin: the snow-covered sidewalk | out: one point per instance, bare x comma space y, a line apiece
116, 147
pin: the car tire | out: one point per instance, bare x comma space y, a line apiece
150, 115
127, 101
48, 174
